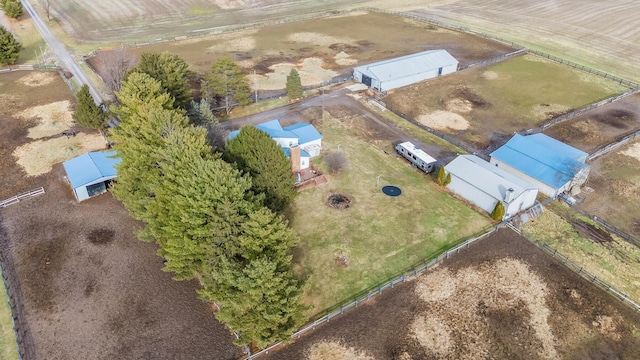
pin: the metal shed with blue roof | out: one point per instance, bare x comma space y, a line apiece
89, 173
551, 165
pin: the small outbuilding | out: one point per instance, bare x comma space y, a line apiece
551, 165
89, 174
406, 70
484, 185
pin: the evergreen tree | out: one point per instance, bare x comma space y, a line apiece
200, 114
253, 151
87, 112
199, 201
294, 85
441, 176
145, 118
258, 296
9, 47
12, 8
447, 180
171, 71
498, 211
226, 85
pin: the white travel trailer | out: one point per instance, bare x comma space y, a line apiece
416, 156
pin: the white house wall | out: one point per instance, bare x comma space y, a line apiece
286, 142
81, 191
526, 200
542, 187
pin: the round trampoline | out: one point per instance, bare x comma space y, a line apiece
391, 190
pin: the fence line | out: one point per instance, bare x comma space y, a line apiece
376, 291
24, 341
27, 67
613, 146
612, 228
585, 274
14, 199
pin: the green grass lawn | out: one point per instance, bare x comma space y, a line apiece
381, 236
8, 346
617, 262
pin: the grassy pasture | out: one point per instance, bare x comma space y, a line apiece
492, 102
614, 262
380, 235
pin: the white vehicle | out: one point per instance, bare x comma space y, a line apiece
416, 156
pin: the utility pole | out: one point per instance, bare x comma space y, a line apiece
255, 84
322, 97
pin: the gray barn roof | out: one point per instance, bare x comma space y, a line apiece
408, 65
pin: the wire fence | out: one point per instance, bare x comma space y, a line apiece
585, 274
10, 68
377, 290
23, 338
613, 146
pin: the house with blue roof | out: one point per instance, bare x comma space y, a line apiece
88, 174
299, 140
551, 165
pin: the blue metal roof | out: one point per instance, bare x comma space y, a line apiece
90, 167
543, 158
304, 132
301, 131
287, 153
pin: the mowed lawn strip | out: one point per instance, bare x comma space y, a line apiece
613, 262
8, 345
380, 235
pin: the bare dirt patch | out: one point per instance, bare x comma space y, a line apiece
510, 301
441, 120
101, 236
458, 105
339, 201
549, 111
319, 38
311, 72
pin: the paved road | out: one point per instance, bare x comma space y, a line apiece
67, 62
332, 99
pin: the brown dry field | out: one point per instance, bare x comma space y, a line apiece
86, 287
615, 180
598, 128
503, 298
119, 20
322, 48
600, 34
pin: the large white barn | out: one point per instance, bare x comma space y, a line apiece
483, 185
406, 70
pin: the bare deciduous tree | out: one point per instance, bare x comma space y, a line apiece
115, 64
46, 4
336, 161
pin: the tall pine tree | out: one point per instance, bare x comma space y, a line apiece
171, 71
258, 296
87, 112
253, 151
294, 85
9, 47
226, 85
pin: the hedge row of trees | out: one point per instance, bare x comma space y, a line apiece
215, 221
